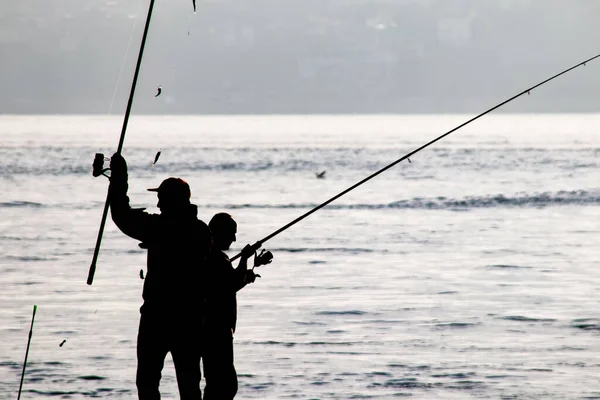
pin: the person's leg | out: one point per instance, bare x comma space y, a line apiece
151, 353
186, 357
220, 374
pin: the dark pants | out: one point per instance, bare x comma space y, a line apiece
158, 336
217, 360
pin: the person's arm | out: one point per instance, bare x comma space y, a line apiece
244, 275
135, 223
241, 273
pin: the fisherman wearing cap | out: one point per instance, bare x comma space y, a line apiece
178, 245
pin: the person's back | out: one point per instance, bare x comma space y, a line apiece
177, 257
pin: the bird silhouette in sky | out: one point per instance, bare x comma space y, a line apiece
159, 92
320, 175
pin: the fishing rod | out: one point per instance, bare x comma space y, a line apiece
27, 351
100, 159
258, 244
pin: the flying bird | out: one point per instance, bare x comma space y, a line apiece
320, 175
159, 92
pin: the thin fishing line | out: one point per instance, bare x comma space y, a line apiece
138, 64
407, 156
178, 54
172, 82
169, 90
137, 17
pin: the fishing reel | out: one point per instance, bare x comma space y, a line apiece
265, 257
98, 165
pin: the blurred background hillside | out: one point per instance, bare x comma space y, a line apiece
298, 56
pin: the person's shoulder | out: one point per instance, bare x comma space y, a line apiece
203, 228
145, 214
218, 255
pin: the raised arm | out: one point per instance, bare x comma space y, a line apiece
135, 223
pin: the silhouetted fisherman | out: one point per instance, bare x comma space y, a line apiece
221, 309
178, 244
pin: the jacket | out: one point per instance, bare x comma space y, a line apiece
178, 246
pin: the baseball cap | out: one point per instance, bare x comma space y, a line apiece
173, 187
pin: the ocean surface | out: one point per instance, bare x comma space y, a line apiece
470, 273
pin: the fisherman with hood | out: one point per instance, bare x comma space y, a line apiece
178, 245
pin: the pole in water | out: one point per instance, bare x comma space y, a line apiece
258, 244
27, 351
92, 269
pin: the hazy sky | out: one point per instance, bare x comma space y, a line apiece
298, 56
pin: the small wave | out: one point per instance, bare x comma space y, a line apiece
406, 383
545, 199
457, 375
506, 266
466, 385
308, 323
378, 373
322, 250
54, 392
586, 324
328, 344
91, 378
276, 343
521, 318
349, 312
10, 364
13, 204
456, 325
29, 258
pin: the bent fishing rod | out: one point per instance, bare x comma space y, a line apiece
92, 270
258, 244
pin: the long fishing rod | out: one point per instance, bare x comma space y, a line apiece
27, 351
258, 244
92, 270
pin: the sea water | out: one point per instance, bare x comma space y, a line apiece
469, 273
